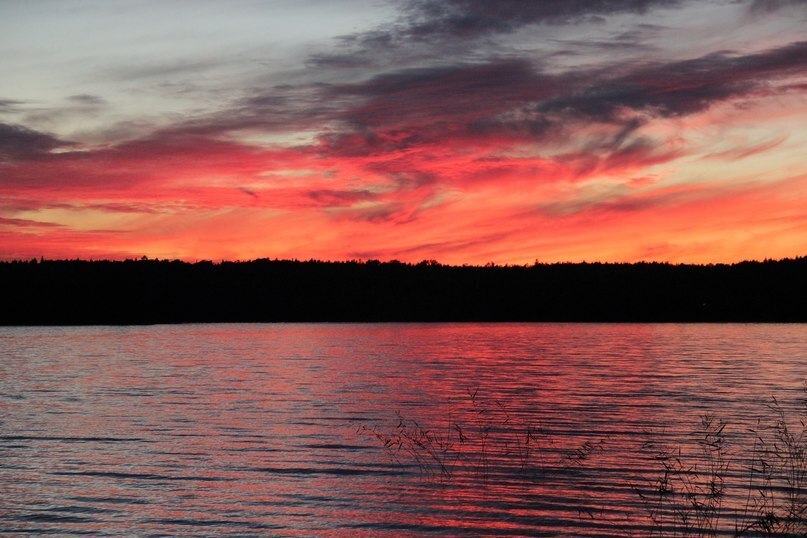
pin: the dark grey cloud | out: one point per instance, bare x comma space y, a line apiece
20, 143
429, 29
87, 100
771, 6
345, 60
473, 78
472, 18
680, 88
420, 107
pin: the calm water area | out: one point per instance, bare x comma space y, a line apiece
376, 429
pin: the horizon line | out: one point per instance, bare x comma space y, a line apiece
373, 261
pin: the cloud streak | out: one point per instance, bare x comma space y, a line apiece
472, 18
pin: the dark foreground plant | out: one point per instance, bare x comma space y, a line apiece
686, 496
704, 488
776, 500
488, 433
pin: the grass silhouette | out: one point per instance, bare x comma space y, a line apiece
706, 488
468, 444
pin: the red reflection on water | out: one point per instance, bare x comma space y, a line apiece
257, 428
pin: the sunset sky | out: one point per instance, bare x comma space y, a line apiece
466, 131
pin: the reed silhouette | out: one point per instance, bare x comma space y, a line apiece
707, 488
460, 443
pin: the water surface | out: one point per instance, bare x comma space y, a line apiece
254, 430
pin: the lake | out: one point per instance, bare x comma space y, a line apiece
395, 429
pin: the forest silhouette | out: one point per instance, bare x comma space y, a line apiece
76, 292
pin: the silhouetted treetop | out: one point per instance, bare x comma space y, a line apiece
171, 291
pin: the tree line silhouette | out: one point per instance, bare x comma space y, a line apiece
76, 292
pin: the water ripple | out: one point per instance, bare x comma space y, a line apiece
290, 429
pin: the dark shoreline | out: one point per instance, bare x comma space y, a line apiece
136, 292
